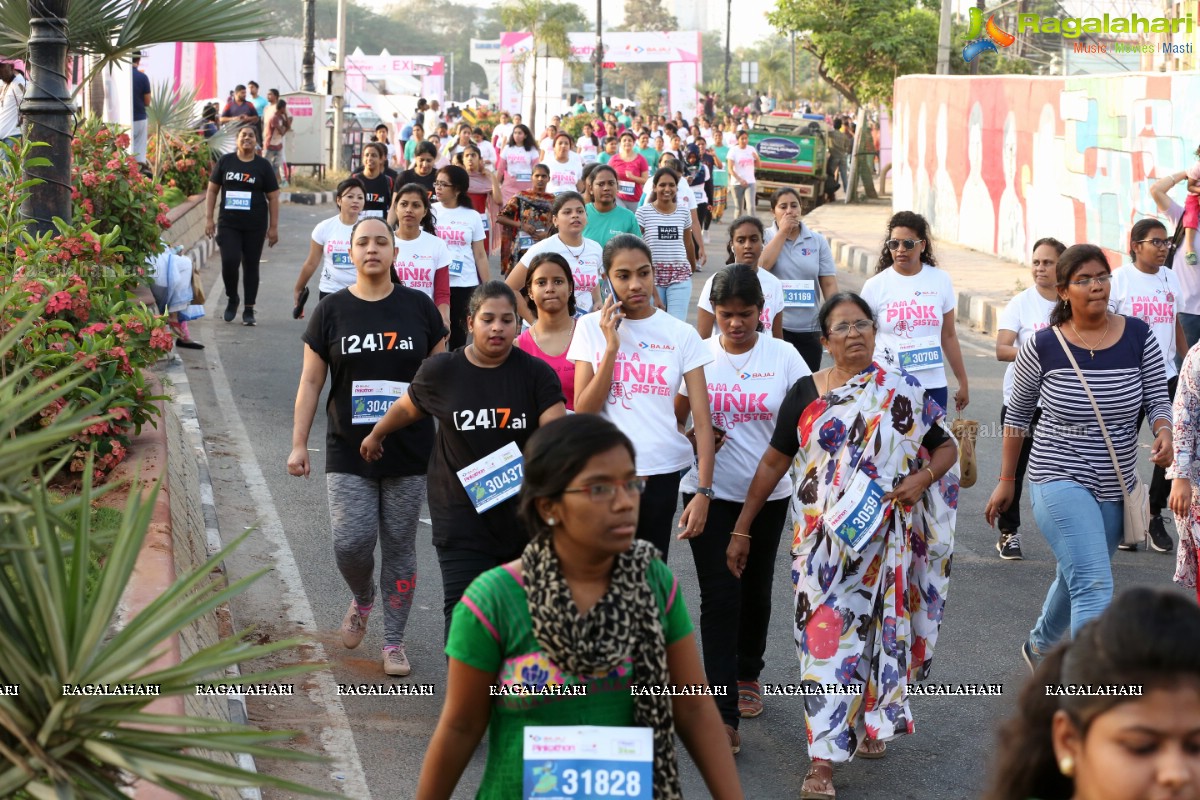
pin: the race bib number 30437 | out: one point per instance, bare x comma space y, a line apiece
494, 478
588, 762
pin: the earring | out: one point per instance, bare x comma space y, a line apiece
551, 521
1066, 765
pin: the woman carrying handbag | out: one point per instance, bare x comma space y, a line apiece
1093, 372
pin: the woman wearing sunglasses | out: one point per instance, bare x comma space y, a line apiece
1146, 289
914, 303
1078, 495
586, 609
801, 256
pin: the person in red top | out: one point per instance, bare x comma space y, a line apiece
632, 172
550, 292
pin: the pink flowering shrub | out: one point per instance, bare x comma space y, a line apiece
109, 190
91, 315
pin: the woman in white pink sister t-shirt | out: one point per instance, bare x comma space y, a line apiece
630, 359
914, 304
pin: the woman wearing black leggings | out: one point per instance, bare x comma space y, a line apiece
249, 194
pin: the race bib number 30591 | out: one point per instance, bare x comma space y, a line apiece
588, 762
859, 513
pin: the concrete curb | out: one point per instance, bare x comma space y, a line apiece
201, 251
306, 198
185, 408
981, 313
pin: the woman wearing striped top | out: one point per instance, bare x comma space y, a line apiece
667, 228
1081, 516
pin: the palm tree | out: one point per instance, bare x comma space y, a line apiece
107, 32
774, 72
547, 21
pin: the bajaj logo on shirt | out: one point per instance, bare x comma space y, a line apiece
647, 346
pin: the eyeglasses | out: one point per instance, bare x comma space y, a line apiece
843, 329
605, 492
909, 244
1099, 280
1155, 242
442, 185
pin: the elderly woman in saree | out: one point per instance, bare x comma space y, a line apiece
873, 533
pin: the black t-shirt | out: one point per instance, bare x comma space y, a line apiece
367, 344
244, 189
786, 438
479, 410
411, 176
379, 193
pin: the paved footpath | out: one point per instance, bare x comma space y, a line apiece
985, 283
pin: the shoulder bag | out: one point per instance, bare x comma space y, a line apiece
1137, 497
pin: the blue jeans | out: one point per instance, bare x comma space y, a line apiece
1191, 333
1084, 533
677, 297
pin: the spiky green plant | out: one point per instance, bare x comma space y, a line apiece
60, 626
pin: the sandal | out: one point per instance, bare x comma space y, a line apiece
750, 703
735, 739
871, 748
821, 779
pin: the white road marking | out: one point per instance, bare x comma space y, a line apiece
337, 738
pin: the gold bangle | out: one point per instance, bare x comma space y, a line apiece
735, 533
932, 477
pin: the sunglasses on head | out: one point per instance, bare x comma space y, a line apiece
909, 244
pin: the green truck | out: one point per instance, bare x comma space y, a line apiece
793, 153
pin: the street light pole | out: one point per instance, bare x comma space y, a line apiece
728, 55
48, 108
308, 61
336, 157
599, 54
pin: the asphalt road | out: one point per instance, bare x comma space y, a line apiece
245, 384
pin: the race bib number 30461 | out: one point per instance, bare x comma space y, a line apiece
588, 762
370, 400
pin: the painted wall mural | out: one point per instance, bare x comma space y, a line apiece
998, 163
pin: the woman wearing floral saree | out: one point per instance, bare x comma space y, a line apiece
866, 615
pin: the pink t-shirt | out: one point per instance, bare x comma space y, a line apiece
563, 367
626, 189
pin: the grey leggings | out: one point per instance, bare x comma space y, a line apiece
363, 510
745, 198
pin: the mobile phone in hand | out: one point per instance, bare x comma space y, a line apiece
298, 311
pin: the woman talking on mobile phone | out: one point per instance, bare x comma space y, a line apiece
630, 360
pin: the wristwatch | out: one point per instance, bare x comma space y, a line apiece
706, 491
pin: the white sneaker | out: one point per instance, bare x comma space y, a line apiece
395, 662
354, 627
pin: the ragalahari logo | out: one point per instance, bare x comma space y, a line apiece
984, 37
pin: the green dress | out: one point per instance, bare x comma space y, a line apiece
491, 630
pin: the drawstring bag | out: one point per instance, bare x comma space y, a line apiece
966, 431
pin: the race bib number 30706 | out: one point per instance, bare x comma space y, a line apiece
588, 762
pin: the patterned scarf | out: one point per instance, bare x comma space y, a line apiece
623, 622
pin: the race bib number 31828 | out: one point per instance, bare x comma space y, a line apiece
588, 762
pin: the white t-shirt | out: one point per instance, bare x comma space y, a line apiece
585, 266
487, 152
518, 163
501, 133
417, 261
729, 139
910, 310
546, 146
772, 291
665, 234
1025, 315
655, 354
460, 228
11, 96
587, 150
337, 270
745, 393
1154, 299
740, 160
564, 177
